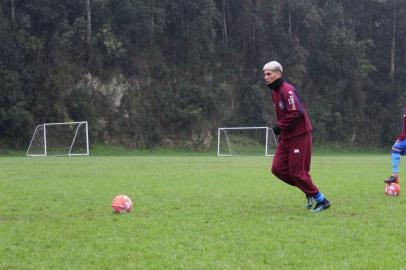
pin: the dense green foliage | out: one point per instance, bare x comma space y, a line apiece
168, 73
196, 212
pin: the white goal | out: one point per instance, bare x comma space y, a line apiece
60, 139
237, 141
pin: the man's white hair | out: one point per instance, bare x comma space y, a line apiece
274, 66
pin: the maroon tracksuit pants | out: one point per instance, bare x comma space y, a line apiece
291, 162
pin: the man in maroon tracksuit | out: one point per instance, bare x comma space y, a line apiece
291, 162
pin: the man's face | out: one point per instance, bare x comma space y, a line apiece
271, 75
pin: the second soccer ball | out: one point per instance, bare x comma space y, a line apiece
122, 204
392, 189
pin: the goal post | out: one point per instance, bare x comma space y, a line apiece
60, 139
236, 141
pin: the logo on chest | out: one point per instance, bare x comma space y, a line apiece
281, 105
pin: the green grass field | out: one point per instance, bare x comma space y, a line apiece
196, 212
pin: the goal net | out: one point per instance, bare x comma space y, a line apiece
60, 139
237, 141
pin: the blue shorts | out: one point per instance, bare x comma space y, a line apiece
399, 147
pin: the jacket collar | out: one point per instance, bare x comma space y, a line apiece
276, 84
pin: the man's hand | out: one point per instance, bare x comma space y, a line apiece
276, 130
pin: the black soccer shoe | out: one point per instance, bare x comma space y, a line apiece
392, 179
321, 206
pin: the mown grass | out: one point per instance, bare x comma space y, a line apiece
196, 212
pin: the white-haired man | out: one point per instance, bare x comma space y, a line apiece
291, 162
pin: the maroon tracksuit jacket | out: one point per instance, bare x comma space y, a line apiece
291, 162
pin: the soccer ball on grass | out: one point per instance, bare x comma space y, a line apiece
392, 189
122, 204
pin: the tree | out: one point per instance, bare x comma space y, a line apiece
13, 9
393, 42
88, 28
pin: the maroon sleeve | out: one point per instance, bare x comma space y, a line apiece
402, 135
294, 110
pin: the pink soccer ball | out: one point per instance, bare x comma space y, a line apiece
122, 204
392, 189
